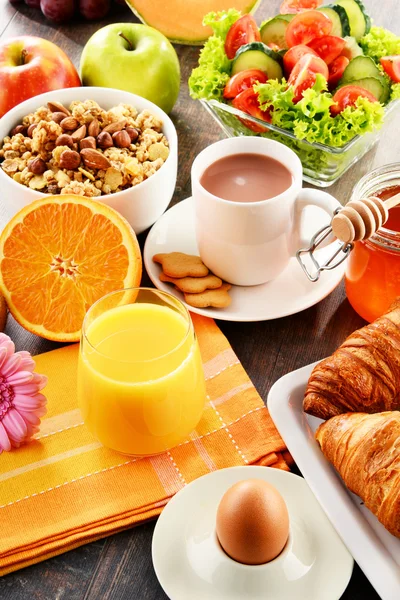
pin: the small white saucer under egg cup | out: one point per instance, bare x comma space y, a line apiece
189, 561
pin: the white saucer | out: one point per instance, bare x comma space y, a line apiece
290, 293
189, 562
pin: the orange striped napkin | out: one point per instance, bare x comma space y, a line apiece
65, 489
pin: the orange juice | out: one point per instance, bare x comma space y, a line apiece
141, 382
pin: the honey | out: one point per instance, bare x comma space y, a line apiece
373, 267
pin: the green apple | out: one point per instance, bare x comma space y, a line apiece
135, 58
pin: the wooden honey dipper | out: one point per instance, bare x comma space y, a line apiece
360, 219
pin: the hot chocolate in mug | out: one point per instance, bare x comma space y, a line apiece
249, 243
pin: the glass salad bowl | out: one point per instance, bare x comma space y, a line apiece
322, 165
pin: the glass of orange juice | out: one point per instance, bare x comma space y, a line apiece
141, 385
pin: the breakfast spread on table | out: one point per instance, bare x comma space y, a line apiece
154, 396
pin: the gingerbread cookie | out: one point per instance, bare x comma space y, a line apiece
179, 265
216, 298
194, 285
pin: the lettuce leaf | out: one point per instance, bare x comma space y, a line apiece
208, 80
221, 22
310, 119
395, 94
380, 42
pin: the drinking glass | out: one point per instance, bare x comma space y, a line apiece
141, 385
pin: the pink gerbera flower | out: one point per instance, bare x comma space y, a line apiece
21, 405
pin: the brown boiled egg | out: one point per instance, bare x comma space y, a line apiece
252, 522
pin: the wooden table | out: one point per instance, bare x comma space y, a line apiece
119, 567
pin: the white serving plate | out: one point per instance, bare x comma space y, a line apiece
376, 551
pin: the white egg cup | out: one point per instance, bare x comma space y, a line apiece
190, 562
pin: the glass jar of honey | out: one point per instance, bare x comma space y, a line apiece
373, 267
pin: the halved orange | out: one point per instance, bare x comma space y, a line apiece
59, 255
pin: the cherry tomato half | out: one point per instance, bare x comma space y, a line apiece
244, 31
391, 65
243, 80
247, 101
328, 47
304, 74
293, 55
307, 26
295, 6
336, 70
347, 96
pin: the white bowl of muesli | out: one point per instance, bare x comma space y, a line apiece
106, 144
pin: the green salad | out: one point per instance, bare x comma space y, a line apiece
313, 94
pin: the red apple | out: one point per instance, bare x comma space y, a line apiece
30, 66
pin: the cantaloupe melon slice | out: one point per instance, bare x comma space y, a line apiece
181, 20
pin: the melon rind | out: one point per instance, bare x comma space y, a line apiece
180, 24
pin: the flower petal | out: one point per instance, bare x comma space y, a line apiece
5, 443
3, 355
27, 362
30, 417
15, 425
10, 365
29, 403
20, 377
27, 389
7, 342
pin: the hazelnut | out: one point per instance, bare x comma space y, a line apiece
122, 139
94, 128
69, 124
18, 129
37, 166
104, 140
70, 160
88, 142
65, 140
31, 129
133, 133
79, 134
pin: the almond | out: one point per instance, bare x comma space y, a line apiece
87, 142
94, 128
58, 117
79, 134
94, 159
114, 127
69, 124
57, 107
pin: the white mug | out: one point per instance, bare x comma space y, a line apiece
249, 243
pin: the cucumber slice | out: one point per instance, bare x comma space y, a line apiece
274, 30
339, 18
351, 49
366, 15
258, 56
359, 68
377, 86
358, 18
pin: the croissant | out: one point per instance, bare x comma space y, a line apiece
365, 450
363, 375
